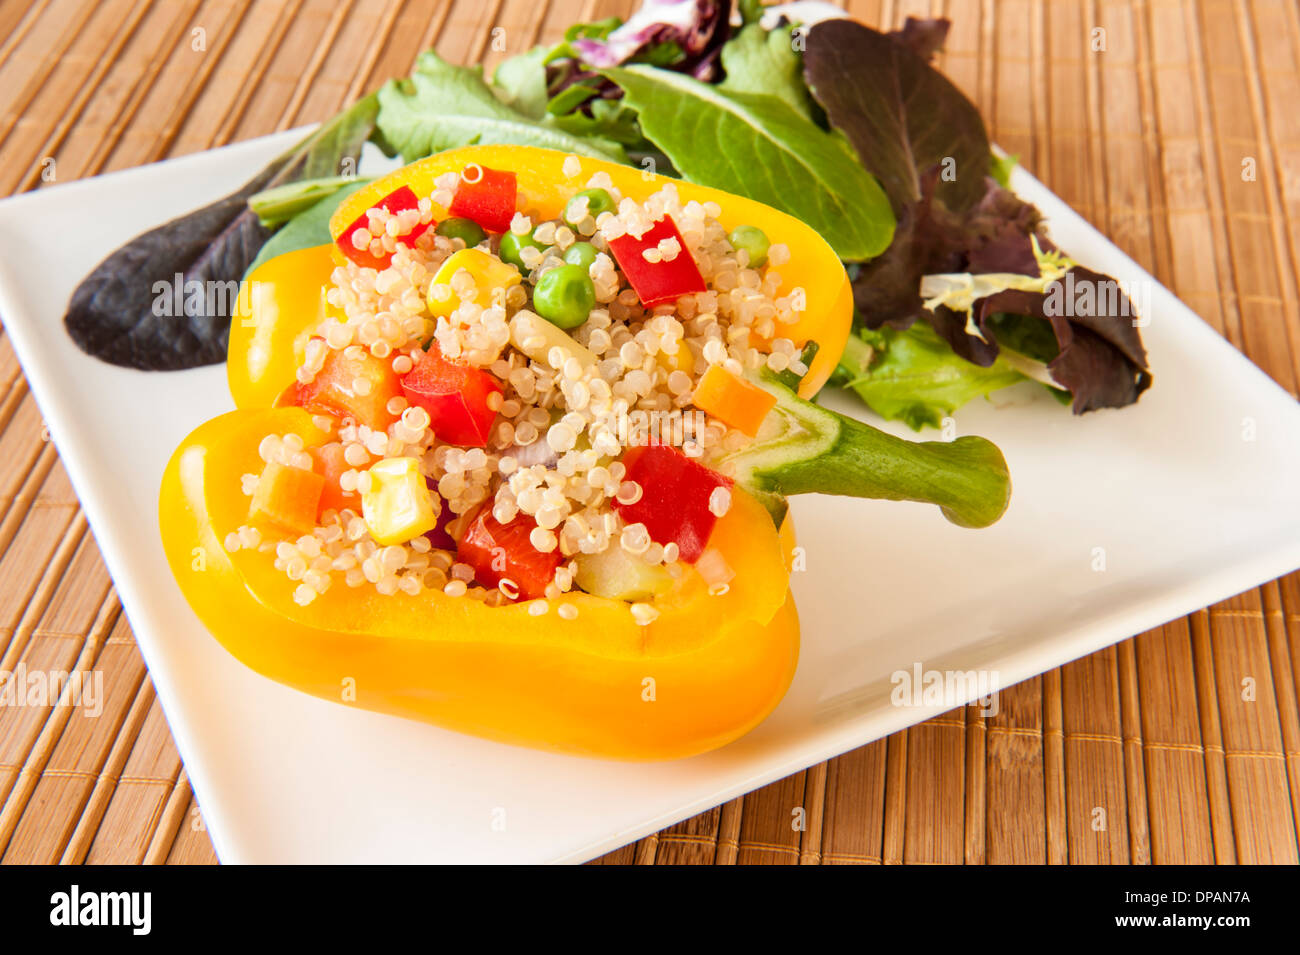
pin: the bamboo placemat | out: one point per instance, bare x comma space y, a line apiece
1147, 116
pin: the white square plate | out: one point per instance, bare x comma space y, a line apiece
1192, 494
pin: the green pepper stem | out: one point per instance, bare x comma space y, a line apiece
804, 448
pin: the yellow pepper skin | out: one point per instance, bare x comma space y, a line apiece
813, 265
271, 324
702, 674
705, 672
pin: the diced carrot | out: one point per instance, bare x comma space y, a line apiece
733, 400
330, 465
287, 498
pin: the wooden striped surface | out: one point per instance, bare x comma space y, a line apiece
1179, 745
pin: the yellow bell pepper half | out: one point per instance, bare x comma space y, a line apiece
708, 669
813, 265
702, 674
266, 341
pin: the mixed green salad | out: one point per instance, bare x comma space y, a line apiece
957, 286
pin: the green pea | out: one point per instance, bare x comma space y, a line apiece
754, 241
581, 253
467, 230
598, 201
565, 296
512, 245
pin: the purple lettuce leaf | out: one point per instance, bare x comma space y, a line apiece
685, 36
901, 116
924, 37
698, 28
927, 145
1100, 359
994, 235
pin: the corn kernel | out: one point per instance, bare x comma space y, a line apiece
680, 360
490, 275
397, 506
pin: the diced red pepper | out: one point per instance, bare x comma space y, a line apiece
399, 200
456, 396
674, 502
329, 463
657, 282
500, 552
358, 387
487, 196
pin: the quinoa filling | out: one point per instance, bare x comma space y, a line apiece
486, 412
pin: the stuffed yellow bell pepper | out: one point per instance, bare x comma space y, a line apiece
512, 455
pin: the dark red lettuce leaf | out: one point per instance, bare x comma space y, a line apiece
887, 290
924, 37
995, 235
900, 115
1088, 369
951, 327
904, 120
114, 315
1100, 358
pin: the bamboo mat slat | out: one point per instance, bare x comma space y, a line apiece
1181, 745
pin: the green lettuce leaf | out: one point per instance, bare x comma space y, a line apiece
520, 82
1000, 169
914, 377
442, 106
758, 146
277, 205
759, 61
610, 119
